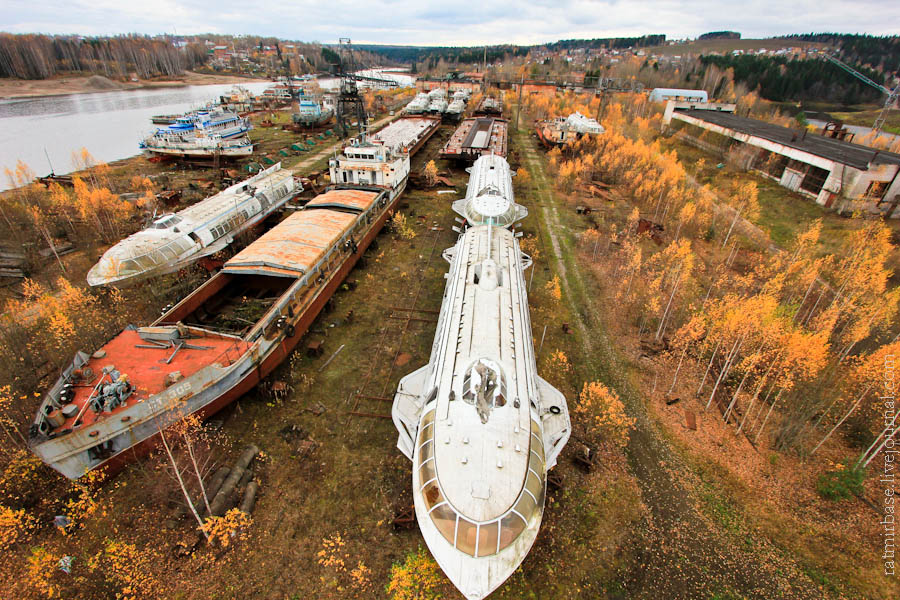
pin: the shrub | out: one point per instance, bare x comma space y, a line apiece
416, 578
841, 481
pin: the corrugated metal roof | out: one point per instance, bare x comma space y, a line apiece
839, 151
294, 246
351, 199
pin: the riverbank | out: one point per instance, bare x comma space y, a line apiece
79, 84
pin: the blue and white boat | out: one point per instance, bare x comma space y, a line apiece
312, 112
202, 133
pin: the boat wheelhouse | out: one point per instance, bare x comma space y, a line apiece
489, 194
371, 164
312, 112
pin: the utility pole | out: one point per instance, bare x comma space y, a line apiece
519, 102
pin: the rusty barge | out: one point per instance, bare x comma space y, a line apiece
108, 407
476, 137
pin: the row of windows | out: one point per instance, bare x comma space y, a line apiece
473, 538
155, 257
232, 223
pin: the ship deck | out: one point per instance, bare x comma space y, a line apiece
477, 136
146, 368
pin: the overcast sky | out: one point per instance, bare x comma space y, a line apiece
450, 22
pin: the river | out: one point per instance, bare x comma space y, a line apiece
108, 124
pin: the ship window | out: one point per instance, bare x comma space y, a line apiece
127, 267
526, 504
534, 485
487, 538
145, 262
444, 518
466, 536
536, 443
511, 527
426, 451
536, 463
426, 471
432, 494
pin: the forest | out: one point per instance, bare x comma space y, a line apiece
881, 52
35, 56
780, 79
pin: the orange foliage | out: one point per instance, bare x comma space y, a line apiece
416, 578
232, 525
603, 414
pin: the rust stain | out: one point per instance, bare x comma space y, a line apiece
352, 199
294, 246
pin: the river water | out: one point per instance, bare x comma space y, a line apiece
108, 124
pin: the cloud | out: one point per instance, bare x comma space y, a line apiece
420, 22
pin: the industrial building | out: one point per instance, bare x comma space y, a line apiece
836, 173
664, 94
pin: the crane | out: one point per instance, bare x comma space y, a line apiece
892, 94
350, 103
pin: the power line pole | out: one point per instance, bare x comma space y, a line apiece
519, 102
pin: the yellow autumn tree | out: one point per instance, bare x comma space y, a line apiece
603, 415
418, 577
431, 173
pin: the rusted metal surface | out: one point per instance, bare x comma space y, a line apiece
293, 247
379, 398
690, 420
352, 199
477, 136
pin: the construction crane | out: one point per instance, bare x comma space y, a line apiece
350, 103
892, 94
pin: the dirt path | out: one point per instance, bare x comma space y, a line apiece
682, 554
326, 150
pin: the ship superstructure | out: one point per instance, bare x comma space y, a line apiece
382, 159
173, 241
312, 111
479, 425
489, 194
201, 134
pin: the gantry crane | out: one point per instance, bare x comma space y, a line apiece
892, 94
350, 103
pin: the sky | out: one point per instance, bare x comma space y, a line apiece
449, 22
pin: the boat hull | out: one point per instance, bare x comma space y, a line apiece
200, 152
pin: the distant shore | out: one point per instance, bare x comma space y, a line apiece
77, 84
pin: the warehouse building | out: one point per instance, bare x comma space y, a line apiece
836, 173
